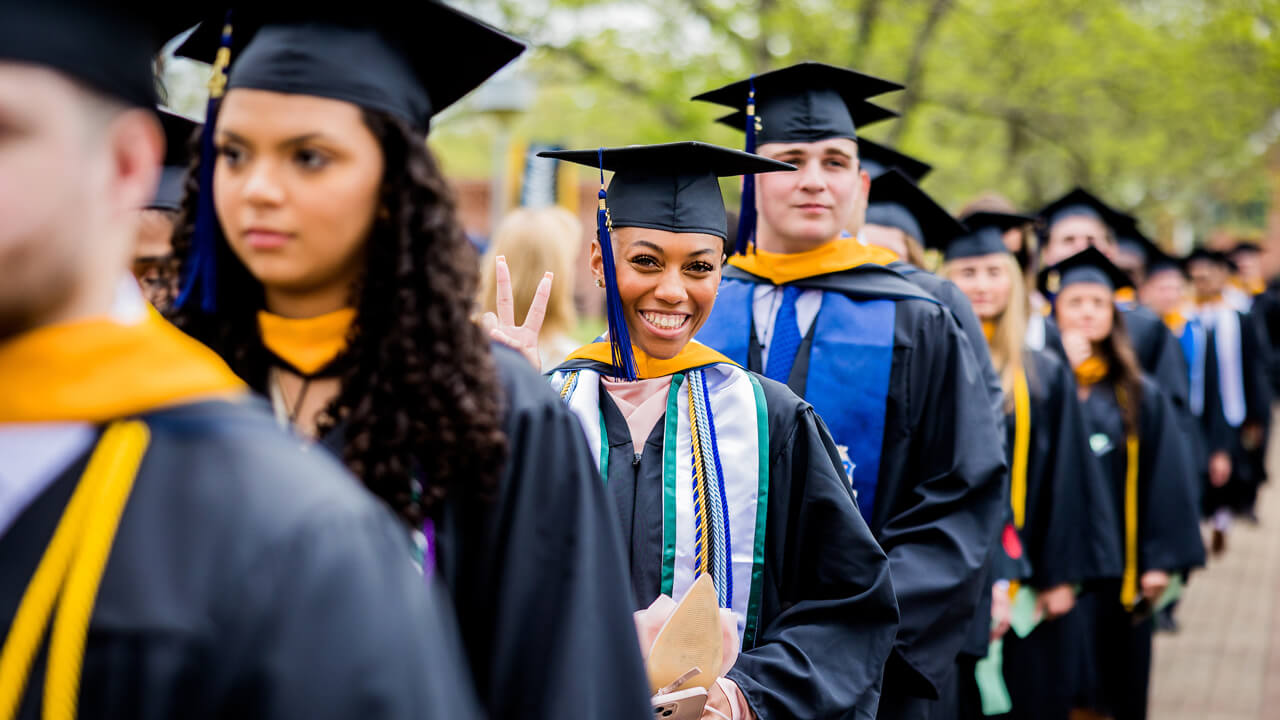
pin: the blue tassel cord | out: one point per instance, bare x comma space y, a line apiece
747, 210
202, 265
624, 361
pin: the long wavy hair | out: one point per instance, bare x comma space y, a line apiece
420, 403
1123, 370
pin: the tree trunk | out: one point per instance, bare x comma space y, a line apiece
915, 66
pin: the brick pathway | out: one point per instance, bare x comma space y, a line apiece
1224, 664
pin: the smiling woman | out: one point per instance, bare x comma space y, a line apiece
769, 515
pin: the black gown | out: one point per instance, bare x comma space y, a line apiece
1248, 469
828, 614
1112, 646
536, 572
958, 693
1069, 533
940, 486
250, 579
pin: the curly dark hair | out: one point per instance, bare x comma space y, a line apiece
420, 397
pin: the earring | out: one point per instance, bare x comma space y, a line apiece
599, 282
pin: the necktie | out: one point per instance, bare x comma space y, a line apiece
786, 338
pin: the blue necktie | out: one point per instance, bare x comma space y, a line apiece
786, 338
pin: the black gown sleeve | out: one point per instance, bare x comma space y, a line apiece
1069, 477
299, 620
539, 576
1169, 518
946, 508
824, 652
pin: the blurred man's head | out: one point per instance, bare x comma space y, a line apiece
80, 150
1247, 257
1074, 233
1209, 274
1164, 290
75, 165
1076, 221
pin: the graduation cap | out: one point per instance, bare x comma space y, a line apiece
107, 46
802, 103
672, 187
1087, 266
895, 201
178, 131
877, 158
1216, 257
408, 60
984, 234
863, 112
1080, 202
1245, 246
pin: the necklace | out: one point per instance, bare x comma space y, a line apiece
286, 416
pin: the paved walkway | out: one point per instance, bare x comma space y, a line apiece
1224, 664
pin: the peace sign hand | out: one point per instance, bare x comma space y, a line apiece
502, 326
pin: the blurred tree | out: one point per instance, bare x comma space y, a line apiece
1165, 107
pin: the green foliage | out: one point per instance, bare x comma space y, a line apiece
1164, 107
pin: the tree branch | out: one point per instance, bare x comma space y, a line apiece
594, 68
915, 66
868, 14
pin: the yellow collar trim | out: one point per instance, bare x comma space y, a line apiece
1175, 321
1126, 295
1092, 371
308, 344
989, 329
101, 370
694, 355
842, 253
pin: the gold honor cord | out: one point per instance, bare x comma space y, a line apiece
1021, 449
1129, 580
69, 574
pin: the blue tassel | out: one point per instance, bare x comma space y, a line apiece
202, 264
624, 361
747, 210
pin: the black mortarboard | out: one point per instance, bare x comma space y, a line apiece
863, 112
411, 60
1080, 202
178, 132
107, 46
1245, 246
895, 201
984, 234
1087, 266
877, 158
672, 187
806, 102
1214, 256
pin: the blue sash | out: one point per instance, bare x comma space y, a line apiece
1192, 342
848, 380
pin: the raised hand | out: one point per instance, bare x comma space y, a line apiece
502, 325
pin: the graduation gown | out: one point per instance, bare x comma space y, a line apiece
824, 614
1112, 647
1069, 532
1221, 434
898, 369
248, 578
977, 640
545, 547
